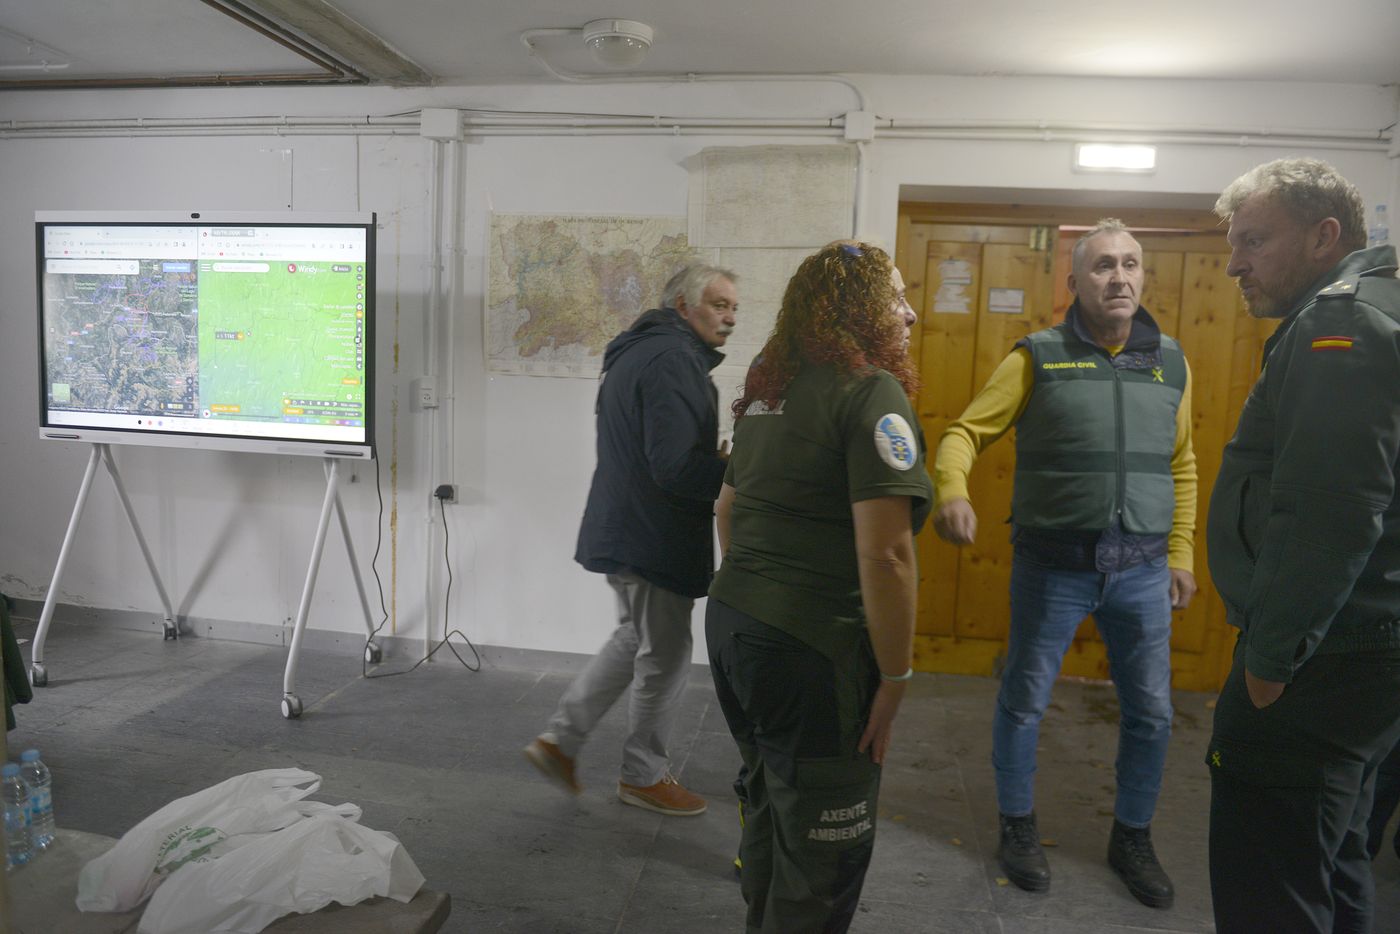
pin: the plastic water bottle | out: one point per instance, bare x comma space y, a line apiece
16, 800
1379, 233
36, 776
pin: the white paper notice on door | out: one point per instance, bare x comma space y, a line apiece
954, 279
1006, 301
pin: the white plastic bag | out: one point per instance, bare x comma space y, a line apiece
192, 828
302, 868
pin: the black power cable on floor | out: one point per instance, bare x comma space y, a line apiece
442, 493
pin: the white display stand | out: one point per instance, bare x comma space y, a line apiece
291, 703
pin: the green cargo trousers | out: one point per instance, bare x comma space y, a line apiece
810, 798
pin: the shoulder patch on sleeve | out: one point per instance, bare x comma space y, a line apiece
895, 442
1333, 342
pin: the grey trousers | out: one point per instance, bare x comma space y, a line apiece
648, 651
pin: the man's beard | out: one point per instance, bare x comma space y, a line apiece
1278, 300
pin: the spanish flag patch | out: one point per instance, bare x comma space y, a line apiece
1332, 343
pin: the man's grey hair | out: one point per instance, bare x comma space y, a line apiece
691, 282
1310, 190
1104, 226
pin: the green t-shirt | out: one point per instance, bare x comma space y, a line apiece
796, 469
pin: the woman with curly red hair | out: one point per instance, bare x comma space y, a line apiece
810, 620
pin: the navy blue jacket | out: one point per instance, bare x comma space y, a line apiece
651, 505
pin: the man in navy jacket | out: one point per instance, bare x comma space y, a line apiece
648, 527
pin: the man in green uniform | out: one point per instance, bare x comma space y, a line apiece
1103, 513
1304, 546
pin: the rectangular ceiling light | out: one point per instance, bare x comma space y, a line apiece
1114, 157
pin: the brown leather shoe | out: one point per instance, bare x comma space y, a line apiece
667, 796
553, 764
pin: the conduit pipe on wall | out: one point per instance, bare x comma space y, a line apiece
409, 122
430, 466
660, 122
447, 286
897, 123
1243, 140
1367, 145
171, 132
439, 340
453, 260
488, 119
564, 125
858, 202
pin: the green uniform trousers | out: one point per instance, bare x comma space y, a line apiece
810, 798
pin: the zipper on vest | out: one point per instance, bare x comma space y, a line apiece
1121, 494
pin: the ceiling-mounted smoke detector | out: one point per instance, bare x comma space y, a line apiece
620, 43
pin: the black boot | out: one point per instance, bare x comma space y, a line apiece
1020, 855
1131, 855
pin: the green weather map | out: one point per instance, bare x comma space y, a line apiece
285, 345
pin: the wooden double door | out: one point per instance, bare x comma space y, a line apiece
981, 278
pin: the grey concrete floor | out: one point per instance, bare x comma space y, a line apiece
130, 722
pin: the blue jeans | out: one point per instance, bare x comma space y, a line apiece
1133, 611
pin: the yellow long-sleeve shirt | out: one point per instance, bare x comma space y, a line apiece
999, 405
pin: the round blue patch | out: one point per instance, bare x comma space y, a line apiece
894, 442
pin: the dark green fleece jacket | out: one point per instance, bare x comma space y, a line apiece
1304, 525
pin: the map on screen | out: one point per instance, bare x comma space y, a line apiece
207, 330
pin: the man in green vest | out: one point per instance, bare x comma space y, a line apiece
1103, 514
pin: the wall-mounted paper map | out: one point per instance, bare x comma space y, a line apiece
561, 286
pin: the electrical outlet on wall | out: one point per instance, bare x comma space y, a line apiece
446, 492
425, 392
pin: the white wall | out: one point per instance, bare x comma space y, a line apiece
232, 533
